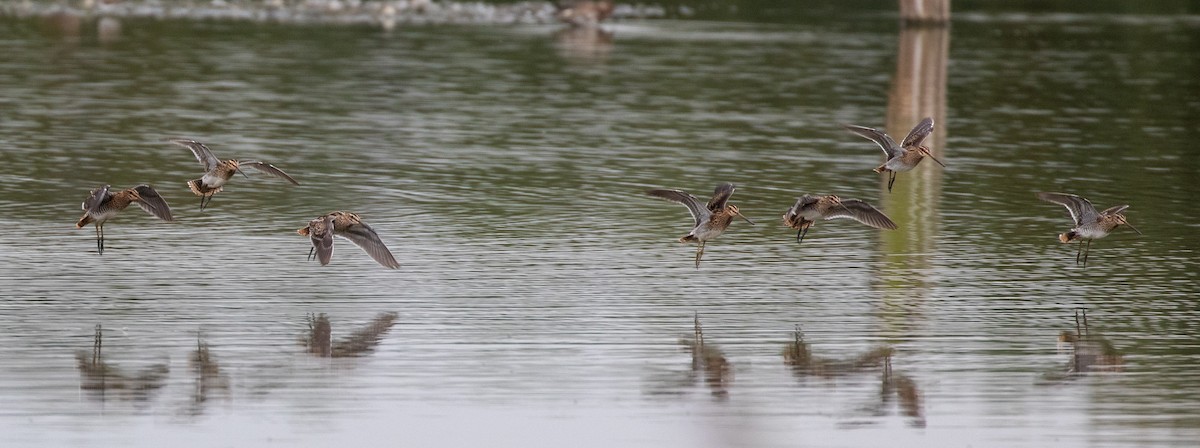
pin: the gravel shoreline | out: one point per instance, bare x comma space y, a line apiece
383, 13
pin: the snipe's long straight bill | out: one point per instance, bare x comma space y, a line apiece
740, 215
1139, 232
930, 155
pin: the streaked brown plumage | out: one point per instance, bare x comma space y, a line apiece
103, 204
711, 219
217, 172
808, 209
350, 226
1089, 223
902, 157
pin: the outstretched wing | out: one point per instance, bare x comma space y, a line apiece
699, 212
320, 232
862, 212
720, 197
884, 141
363, 236
269, 169
202, 153
96, 198
918, 133
1114, 209
1081, 210
153, 203
802, 203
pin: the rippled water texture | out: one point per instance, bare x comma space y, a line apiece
543, 300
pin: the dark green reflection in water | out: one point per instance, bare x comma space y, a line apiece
507, 166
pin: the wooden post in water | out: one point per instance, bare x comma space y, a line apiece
925, 11
918, 90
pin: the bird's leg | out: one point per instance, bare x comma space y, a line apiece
1079, 252
699, 253
310, 252
800, 237
1086, 330
201, 202
100, 239
891, 180
1086, 250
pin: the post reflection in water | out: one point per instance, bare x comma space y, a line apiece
583, 45
918, 90
108, 30
575, 322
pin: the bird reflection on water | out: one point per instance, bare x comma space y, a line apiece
99, 377
708, 366
1090, 352
798, 355
319, 339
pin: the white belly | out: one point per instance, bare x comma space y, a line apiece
1090, 232
898, 166
213, 181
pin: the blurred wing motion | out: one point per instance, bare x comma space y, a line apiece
918, 134
1081, 210
363, 236
202, 153
884, 141
720, 197
1115, 209
320, 232
269, 169
862, 212
96, 199
700, 213
152, 202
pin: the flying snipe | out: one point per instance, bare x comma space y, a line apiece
808, 209
711, 219
902, 157
1089, 223
350, 226
102, 204
218, 172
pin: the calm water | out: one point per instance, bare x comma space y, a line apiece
542, 297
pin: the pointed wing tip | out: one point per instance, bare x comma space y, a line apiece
670, 195
1057, 198
271, 170
382, 255
185, 142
